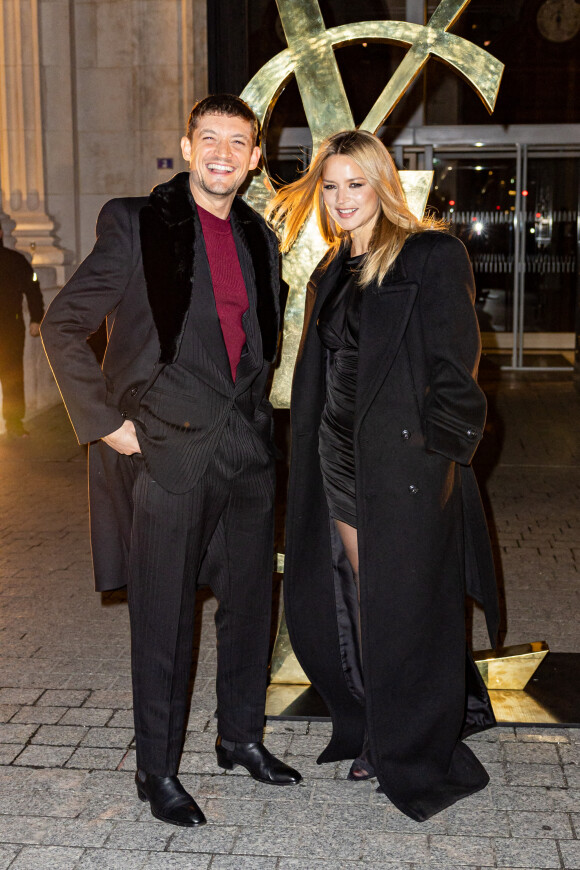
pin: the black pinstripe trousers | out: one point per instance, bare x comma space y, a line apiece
227, 518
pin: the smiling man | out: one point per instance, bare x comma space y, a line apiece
181, 465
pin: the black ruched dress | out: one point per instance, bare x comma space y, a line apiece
338, 329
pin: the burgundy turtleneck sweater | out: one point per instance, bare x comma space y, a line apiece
231, 298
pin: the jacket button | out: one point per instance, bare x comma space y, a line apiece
133, 391
405, 434
471, 433
123, 414
413, 489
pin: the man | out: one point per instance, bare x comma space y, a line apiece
181, 468
17, 279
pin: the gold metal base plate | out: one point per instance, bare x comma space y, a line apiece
551, 698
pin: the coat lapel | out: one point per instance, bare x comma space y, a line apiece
385, 314
167, 231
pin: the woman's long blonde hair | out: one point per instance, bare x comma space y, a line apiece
292, 205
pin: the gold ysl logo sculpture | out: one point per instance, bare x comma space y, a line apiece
310, 58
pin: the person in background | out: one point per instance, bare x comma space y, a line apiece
385, 527
17, 280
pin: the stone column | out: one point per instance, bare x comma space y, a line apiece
21, 139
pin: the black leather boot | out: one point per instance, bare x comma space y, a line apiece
168, 800
260, 764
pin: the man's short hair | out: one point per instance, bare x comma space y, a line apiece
222, 104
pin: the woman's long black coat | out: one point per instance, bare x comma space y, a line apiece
422, 537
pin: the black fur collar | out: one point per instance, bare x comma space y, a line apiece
168, 226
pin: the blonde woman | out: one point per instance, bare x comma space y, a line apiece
385, 525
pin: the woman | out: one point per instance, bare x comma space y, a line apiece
385, 525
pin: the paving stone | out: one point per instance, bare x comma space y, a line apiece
7, 855
205, 762
535, 774
110, 698
108, 737
571, 855
461, 850
39, 715
59, 735
24, 829
235, 812
569, 754
526, 853
119, 719
96, 759
110, 859
62, 698
165, 861
395, 847
46, 858
113, 807
44, 756
8, 752
90, 717
213, 839
7, 711
541, 825
77, 832
523, 753
19, 696
306, 864
489, 823
12, 733
151, 835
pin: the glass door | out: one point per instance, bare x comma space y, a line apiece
548, 276
517, 213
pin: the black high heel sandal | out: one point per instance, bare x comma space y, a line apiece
361, 768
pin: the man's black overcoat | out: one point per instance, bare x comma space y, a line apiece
422, 536
140, 276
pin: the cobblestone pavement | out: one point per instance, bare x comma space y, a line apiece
67, 798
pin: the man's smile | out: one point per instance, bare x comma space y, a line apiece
220, 167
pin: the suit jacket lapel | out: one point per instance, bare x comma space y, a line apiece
260, 268
385, 314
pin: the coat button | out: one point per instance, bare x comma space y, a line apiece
134, 391
471, 433
123, 414
405, 434
413, 489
